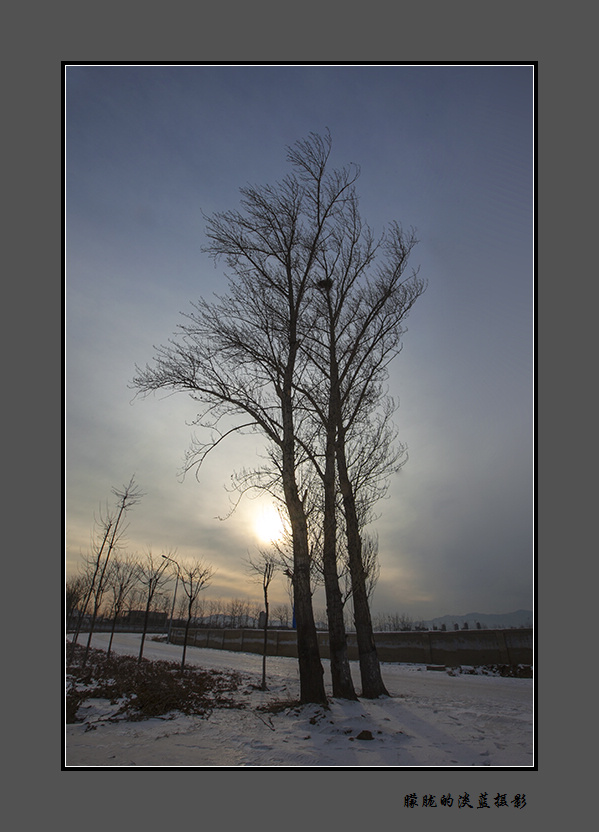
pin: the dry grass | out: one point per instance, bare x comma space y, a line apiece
146, 689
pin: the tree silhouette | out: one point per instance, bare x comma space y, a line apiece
298, 350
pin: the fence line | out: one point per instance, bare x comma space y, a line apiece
435, 647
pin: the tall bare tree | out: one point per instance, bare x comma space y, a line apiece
363, 299
297, 350
239, 357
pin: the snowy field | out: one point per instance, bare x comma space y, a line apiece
430, 719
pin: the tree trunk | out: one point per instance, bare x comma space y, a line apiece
145, 629
265, 641
112, 629
187, 623
310, 667
343, 686
92, 624
370, 669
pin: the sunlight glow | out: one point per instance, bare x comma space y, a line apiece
268, 525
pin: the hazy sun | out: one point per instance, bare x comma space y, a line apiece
268, 525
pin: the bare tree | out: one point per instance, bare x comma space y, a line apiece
75, 592
162, 605
237, 608
107, 538
127, 497
181, 609
350, 332
215, 607
240, 357
263, 567
297, 351
354, 334
194, 578
281, 612
122, 576
199, 610
152, 575
92, 565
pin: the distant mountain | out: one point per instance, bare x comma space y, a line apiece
520, 618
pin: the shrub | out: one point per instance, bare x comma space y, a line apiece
145, 689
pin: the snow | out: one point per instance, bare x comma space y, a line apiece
430, 719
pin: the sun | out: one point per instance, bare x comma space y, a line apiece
268, 525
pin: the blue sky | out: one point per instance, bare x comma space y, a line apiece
447, 149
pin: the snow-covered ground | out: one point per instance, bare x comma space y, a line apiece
430, 719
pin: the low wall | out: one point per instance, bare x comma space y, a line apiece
461, 647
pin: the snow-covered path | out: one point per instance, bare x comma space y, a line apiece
430, 719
